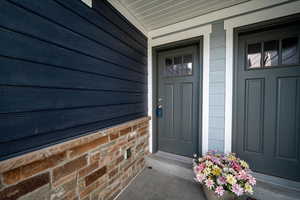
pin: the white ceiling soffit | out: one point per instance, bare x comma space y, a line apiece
159, 17
154, 14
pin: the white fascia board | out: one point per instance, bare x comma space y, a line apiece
125, 12
217, 15
186, 34
263, 15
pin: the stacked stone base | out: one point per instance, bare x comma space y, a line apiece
93, 167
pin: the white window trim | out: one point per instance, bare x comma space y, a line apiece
191, 33
229, 25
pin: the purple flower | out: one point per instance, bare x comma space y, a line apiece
216, 160
237, 189
219, 191
221, 180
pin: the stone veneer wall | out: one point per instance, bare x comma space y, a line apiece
92, 167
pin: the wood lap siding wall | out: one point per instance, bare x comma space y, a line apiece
66, 69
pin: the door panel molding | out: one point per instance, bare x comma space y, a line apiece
288, 125
254, 88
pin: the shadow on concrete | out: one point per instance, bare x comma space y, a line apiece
151, 184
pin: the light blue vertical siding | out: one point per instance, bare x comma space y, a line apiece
217, 88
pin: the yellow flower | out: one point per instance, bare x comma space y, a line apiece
248, 188
206, 171
230, 179
208, 163
244, 164
216, 170
231, 157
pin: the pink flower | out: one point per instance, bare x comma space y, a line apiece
209, 183
207, 157
242, 175
200, 167
236, 166
219, 191
237, 189
201, 177
221, 180
251, 180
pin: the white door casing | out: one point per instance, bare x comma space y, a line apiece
183, 35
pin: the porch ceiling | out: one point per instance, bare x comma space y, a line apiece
153, 14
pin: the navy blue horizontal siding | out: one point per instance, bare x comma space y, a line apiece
66, 69
104, 8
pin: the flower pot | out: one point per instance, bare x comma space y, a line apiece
211, 195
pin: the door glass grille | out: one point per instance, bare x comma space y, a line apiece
181, 65
280, 52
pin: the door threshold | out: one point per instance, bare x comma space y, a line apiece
277, 181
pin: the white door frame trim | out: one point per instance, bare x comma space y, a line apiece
229, 25
187, 34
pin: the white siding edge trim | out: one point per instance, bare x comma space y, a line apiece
126, 13
229, 25
88, 2
195, 32
150, 96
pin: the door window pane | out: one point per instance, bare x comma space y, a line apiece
290, 54
271, 53
169, 66
178, 66
187, 64
254, 55
169, 61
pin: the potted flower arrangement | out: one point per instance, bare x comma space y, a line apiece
223, 176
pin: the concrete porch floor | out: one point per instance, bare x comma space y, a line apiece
152, 184
171, 178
